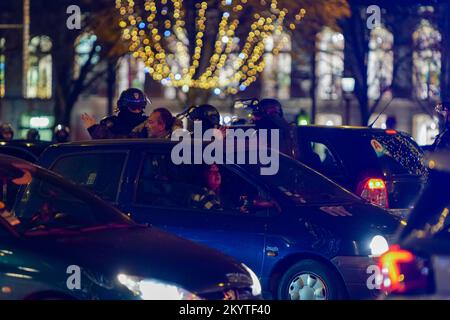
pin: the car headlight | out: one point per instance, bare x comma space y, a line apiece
150, 289
378, 245
256, 285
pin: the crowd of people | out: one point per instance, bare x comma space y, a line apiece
131, 122
61, 133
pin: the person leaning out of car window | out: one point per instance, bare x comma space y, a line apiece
443, 139
131, 105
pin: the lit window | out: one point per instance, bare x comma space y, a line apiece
329, 119
277, 71
83, 48
329, 64
39, 75
425, 129
381, 62
426, 61
2, 68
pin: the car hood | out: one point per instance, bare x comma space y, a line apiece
148, 253
354, 220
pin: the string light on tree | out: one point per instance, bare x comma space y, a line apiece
157, 34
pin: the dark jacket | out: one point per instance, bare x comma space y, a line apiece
288, 134
116, 127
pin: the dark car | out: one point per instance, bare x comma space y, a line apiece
23, 149
383, 166
303, 235
418, 265
62, 242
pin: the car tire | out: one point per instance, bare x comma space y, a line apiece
310, 280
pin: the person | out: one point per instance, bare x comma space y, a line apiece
206, 113
33, 135
131, 105
442, 140
208, 198
61, 134
159, 124
6, 132
268, 114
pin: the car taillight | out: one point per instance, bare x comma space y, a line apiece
374, 190
391, 131
404, 272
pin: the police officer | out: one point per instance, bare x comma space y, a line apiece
33, 135
443, 139
61, 134
6, 132
207, 114
268, 114
131, 105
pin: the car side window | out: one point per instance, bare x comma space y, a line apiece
203, 187
99, 172
318, 156
162, 183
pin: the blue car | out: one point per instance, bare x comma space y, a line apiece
303, 235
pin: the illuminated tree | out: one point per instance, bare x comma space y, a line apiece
205, 46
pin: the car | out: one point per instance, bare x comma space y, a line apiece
383, 166
418, 263
303, 235
23, 149
62, 242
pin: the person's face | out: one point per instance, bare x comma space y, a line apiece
213, 178
155, 125
7, 135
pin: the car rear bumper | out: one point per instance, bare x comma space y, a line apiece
358, 275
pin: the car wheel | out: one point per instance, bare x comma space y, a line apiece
310, 280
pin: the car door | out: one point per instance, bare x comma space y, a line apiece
102, 172
163, 196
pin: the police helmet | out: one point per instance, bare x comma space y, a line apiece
132, 98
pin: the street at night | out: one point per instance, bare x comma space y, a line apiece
254, 150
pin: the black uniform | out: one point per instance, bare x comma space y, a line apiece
116, 127
122, 125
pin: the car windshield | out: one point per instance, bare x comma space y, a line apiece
303, 185
46, 205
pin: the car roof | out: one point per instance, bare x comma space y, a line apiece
344, 129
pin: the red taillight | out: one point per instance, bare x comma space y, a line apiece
374, 190
391, 131
403, 272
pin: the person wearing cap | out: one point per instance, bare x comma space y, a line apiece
442, 140
61, 134
131, 105
207, 114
